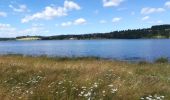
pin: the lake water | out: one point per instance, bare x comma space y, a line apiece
112, 49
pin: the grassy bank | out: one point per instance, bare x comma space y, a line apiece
42, 78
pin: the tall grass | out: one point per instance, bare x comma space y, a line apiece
42, 78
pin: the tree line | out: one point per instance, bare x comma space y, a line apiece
158, 31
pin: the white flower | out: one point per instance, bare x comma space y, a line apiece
82, 92
60, 82
95, 85
31, 92
27, 91
113, 90
162, 96
83, 87
103, 91
158, 98
111, 85
148, 98
88, 94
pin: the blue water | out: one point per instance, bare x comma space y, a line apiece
148, 49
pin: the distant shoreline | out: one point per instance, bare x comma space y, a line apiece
85, 39
155, 32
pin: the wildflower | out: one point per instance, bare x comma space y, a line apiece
158, 98
80, 95
148, 98
162, 96
103, 91
60, 82
88, 94
27, 91
113, 90
83, 87
96, 85
82, 92
31, 92
111, 85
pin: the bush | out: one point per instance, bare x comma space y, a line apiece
162, 60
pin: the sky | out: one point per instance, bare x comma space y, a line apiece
58, 17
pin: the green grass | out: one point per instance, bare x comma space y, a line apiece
43, 78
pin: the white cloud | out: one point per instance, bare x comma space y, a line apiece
65, 24
116, 19
3, 14
109, 3
52, 12
7, 30
145, 18
159, 21
102, 21
20, 8
32, 31
6, 27
80, 21
167, 4
37, 25
71, 5
47, 14
149, 10
155, 22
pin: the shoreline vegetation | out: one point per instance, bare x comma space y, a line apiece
155, 32
84, 78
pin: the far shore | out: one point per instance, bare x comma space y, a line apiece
38, 39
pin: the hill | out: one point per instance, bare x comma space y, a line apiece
155, 32
158, 31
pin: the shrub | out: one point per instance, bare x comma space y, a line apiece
162, 60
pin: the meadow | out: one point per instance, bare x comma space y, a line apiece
43, 78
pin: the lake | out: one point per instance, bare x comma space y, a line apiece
130, 50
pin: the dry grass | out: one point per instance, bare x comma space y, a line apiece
42, 78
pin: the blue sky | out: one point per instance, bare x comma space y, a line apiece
56, 17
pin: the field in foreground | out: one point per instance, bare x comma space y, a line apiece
42, 78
